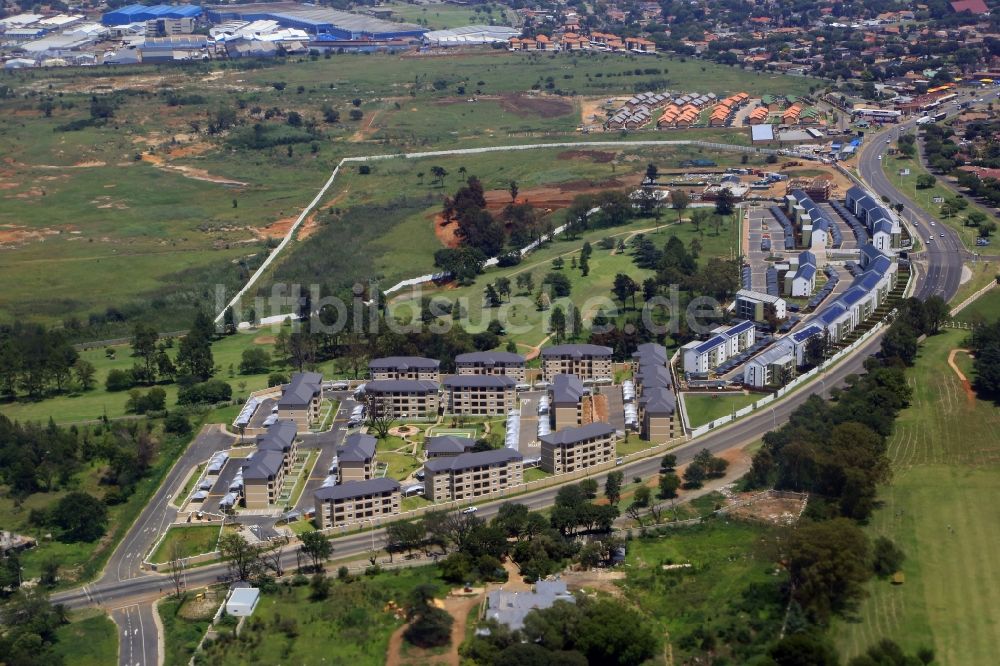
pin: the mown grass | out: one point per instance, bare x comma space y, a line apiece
88, 641
181, 634
705, 407
946, 459
984, 308
189, 540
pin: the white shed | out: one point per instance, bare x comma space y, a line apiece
242, 601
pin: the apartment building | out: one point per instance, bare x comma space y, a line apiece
657, 410
263, 473
447, 445
583, 360
479, 395
753, 305
404, 398
725, 342
491, 363
265, 469
572, 449
405, 367
301, 398
471, 475
566, 406
356, 458
356, 502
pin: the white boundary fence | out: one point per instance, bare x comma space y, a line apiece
463, 151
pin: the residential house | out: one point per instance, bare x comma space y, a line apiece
573, 449
754, 305
356, 502
471, 475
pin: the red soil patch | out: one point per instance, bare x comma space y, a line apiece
308, 228
446, 233
599, 156
264, 340
531, 105
276, 229
966, 385
11, 234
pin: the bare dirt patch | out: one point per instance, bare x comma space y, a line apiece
536, 105
12, 234
308, 228
594, 579
599, 156
264, 340
966, 385
777, 510
458, 606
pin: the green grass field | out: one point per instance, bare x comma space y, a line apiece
983, 308
182, 630
726, 560
88, 641
189, 540
441, 15
705, 407
939, 509
350, 626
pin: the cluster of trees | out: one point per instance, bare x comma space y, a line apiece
36, 360
945, 156
30, 622
916, 318
591, 630
985, 343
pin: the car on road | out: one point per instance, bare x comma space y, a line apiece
932, 223
471, 509
930, 238
888, 141
941, 235
880, 158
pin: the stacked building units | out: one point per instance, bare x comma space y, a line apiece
586, 361
573, 449
491, 363
478, 395
301, 398
403, 398
405, 367
471, 475
655, 397
356, 502
724, 111
701, 357
265, 469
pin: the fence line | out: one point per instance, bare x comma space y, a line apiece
967, 302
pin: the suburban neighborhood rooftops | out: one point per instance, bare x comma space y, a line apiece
576, 351
578, 434
659, 401
776, 353
489, 358
300, 391
404, 363
279, 435
472, 459
401, 386
649, 352
479, 381
566, 389
356, 489
445, 444
358, 447
653, 376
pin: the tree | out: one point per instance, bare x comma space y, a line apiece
513, 189
144, 339
242, 557
613, 486
431, 628
623, 287
194, 355
887, 558
80, 517
829, 564
694, 475
668, 463
937, 312
669, 483
724, 203
652, 173
557, 323
804, 648
503, 287
176, 567
925, 181
254, 361
84, 371
378, 413
317, 548
679, 200
642, 496
403, 536
439, 174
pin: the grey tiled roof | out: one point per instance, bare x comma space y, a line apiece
566, 389
472, 459
578, 434
576, 351
358, 447
489, 358
356, 489
447, 444
404, 363
479, 381
401, 386
300, 390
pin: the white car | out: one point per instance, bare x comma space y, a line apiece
932, 223
941, 235
930, 238
879, 158
471, 509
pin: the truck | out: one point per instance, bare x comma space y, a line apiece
923, 120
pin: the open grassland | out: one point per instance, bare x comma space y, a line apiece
352, 625
146, 211
729, 590
91, 640
441, 15
983, 272
940, 509
705, 407
185, 541
984, 308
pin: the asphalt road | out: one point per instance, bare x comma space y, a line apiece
942, 258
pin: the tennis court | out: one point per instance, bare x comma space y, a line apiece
469, 433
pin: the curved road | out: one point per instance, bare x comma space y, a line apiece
942, 259
130, 593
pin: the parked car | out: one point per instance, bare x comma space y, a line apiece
471, 509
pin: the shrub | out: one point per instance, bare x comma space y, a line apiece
432, 628
212, 391
119, 380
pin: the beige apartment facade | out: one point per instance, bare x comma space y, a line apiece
415, 368
492, 363
403, 398
472, 475
356, 502
479, 395
583, 360
573, 449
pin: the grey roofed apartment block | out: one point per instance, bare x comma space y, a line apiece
472, 459
489, 358
404, 363
510, 608
279, 436
578, 434
650, 352
358, 447
659, 401
445, 444
401, 386
478, 381
356, 489
653, 375
566, 389
576, 351
300, 391
263, 465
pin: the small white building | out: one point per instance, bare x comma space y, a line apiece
242, 601
725, 342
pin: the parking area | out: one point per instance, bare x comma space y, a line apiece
261, 414
849, 242
760, 222
528, 443
616, 406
